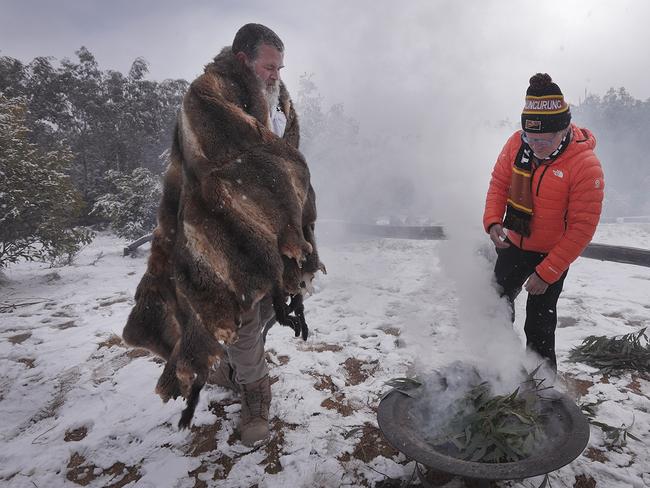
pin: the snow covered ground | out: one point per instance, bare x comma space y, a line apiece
77, 407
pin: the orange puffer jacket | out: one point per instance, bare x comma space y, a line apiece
567, 200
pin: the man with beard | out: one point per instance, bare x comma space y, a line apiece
244, 369
266, 62
235, 234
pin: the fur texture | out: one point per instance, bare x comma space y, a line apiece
235, 223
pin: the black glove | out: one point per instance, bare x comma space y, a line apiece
297, 321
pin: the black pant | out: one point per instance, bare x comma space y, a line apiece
511, 270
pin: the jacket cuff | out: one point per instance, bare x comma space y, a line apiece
488, 227
547, 273
541, 278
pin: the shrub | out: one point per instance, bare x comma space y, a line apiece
131, 204
38, 202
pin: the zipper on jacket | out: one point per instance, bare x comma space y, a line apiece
539, 183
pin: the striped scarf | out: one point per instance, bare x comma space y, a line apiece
519, 210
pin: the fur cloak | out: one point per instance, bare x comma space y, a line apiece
235, 224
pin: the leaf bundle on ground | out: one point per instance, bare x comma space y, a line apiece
629, 352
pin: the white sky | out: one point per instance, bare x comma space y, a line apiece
392, 64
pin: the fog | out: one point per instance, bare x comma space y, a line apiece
434, 87
415, 99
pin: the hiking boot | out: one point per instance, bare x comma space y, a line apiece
224, 376
255, 403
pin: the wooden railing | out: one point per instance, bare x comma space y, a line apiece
603, 252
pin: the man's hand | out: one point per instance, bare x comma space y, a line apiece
498, 236
283, 314
535, 285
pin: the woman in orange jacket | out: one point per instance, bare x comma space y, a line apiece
542, 208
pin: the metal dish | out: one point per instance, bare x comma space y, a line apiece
396, 422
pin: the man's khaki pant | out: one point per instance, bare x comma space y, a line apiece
246, 355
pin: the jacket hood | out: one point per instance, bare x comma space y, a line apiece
582, 140
584, 137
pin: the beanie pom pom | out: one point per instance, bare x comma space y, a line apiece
540, 81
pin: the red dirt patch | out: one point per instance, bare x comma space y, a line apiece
596, 455
337, 404
76, 434
117, 469
29, 362
233, 438
324, 382
583, 481
274, 447
224, 465
344, 457
204, 438
198, 483
19, 338
575, 386
83, 474
634, 385
372, 444
358, 371
113, 340
320, 347
272, 357
137, 353
77, 472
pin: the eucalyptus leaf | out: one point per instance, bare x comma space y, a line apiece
352, 431
404, 383
629, 352
478, 455
498, 428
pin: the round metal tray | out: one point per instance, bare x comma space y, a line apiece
398, 426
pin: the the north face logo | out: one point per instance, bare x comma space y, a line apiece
558, 173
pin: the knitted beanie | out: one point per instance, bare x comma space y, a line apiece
545, 109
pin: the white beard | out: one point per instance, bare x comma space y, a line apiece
272, 95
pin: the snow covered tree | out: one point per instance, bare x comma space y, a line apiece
38, 203
620, 123
109, 120
115, 121
131, 204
